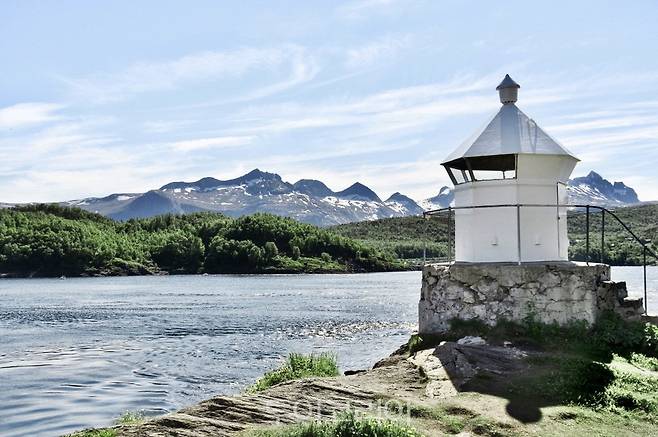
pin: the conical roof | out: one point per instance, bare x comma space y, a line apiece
510, 131
507, 82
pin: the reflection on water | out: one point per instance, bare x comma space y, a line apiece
79, 352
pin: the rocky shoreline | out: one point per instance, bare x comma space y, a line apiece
466, 387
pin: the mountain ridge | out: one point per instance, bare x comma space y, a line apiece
308, 200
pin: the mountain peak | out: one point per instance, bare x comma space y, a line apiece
258, 174
594, 176
397, 197
312, 187
595, 189
358, 191
403, 204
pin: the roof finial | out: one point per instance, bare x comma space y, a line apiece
508, 90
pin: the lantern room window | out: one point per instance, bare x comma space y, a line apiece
481, 168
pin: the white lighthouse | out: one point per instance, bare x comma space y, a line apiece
509, 178
510, 234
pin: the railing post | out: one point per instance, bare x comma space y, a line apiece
602, 234
644, 267
587, 235
518, 231
449, 235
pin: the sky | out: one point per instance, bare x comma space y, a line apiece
121, 96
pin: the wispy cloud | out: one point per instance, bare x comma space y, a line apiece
148, 76
386, 48
27, 114
214, 143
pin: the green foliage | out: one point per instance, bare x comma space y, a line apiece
296, 253
51, 240
609, 335
612, 334
270, 250
299, 366
644, 362
178, 251
346, 425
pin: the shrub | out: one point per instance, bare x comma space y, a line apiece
296, 253
232, 255
346, 425
299, 366
179, 251
270, 250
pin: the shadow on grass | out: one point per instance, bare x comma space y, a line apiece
534, 365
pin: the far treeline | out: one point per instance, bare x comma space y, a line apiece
408, 237
51, 240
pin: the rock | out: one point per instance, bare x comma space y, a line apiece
354, 372
471, 340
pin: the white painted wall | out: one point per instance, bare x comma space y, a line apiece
491, 234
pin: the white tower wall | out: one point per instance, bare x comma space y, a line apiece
495, 235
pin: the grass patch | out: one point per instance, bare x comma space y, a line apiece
299, 366
452, 419
608, 336
644, 362
94, 433
601, 386
346, 425
130, 418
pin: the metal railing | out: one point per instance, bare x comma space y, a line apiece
646, 250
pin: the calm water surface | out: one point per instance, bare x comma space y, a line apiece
78, 352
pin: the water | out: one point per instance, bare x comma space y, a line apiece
76, 353
633, 278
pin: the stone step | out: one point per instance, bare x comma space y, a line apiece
632, 302
650, 319
618, 287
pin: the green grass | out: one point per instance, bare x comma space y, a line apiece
644, 362
609, 335
130, 418
94, 433
451, 419
346, 425
299, 366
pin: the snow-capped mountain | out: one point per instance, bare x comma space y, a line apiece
308, 200
403, 204
444, 199
594, 190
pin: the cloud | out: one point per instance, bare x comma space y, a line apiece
143, 77
383, 49
207, 143
26, 114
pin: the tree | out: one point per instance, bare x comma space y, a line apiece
179, 251
296, 253
232, 255
270, 250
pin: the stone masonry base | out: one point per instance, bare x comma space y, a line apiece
550, 292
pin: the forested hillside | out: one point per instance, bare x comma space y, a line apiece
407, 236
50, 240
